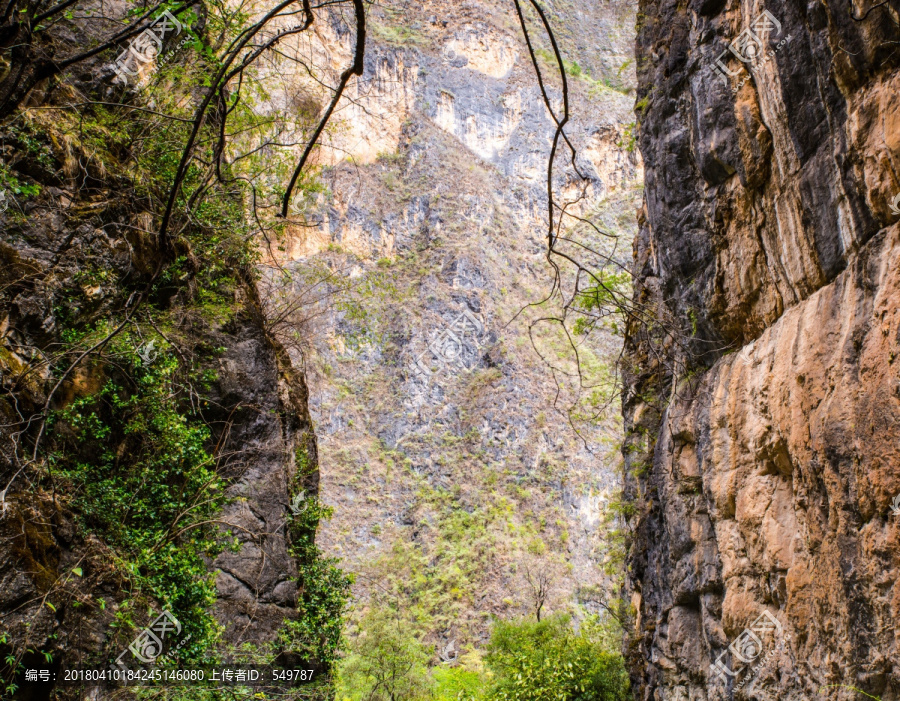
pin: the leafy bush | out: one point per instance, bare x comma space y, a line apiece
386, 662
526, 660
548, 661
323, 592
458, 684
137, 473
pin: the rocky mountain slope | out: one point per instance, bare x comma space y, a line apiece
159, 450
763, 403
459, 477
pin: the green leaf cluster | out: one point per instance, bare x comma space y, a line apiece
136, 472
324, 589
386, 662
526, 660
548, 661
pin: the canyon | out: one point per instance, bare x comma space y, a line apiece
643, 394
445, 443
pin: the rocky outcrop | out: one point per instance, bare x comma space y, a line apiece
763, 388
70, 258
257, 408
262, 400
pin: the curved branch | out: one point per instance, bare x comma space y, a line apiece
355, 69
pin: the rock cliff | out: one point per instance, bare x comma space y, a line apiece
153, 433
158, 451
763, 387
446, 444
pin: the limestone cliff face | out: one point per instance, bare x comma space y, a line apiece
257, 402
453, 468
763, 410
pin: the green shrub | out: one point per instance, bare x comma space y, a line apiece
324, 589
458, 684
386, 661
547, 660
136, 471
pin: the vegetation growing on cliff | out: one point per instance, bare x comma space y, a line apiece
134, 466
316, 633
125, 433
147, 209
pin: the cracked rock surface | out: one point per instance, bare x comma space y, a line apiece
763, 409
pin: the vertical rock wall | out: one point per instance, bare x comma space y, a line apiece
763, 392
253, 401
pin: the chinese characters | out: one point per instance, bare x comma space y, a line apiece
146, 47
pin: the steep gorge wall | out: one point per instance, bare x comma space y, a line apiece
256, 407
74, 255
446, 486
763, 408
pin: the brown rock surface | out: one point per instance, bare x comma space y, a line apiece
764, 443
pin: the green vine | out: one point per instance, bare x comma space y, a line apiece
324, 589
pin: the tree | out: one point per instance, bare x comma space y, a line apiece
387, 662
540, 578
546, 660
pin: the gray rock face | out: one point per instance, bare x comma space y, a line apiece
269, 426
446, 447
762, 411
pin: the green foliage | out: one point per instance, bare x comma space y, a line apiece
629, 137
571, 67
607, 289
9, 183
695, 322
386, 661
852, 688
603, 299
130, 455
324, 588
136, 472
546, 661
435, 585
525, 661
394, 28
573, 70
458, 684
